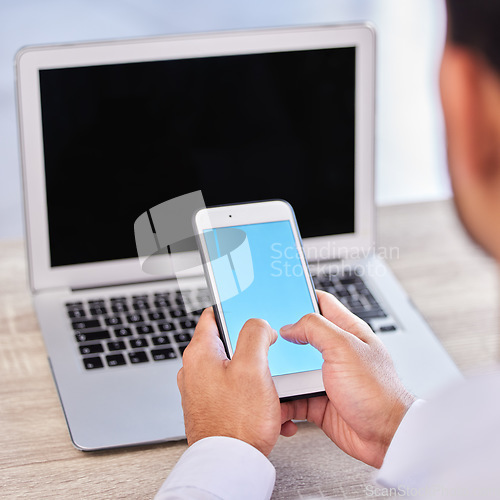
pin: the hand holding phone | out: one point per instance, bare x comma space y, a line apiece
365, 400
240, 402
256, 268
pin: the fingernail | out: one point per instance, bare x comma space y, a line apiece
286, 328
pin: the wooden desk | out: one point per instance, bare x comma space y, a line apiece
450, 281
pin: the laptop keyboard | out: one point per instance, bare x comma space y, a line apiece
118, 331
352, 291
151, 328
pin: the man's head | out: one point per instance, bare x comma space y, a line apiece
470, 92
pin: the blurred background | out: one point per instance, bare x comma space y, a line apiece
410, 145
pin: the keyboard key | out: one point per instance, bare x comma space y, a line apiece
139, 306
135, 318
162, 303
78, 305
177, 313
156, 315
117, 345
118, 299
165, 327
372, 313
355, 302
123, 332
96, 302
76, 313
98, 311
135, 343
344, 301
161, 340
90, 336
143, 329
322, 279
387, 328
182, 337
119, 307
203, 295
188, 323
161, 354
115, 359
92, 363
358, 310
91, 349
188, 301
85, 324
138, 357
341, 292
350, 280
113, 320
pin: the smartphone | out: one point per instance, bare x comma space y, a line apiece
255, 268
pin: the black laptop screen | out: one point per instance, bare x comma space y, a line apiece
119, 139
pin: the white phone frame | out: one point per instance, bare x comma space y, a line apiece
292, 385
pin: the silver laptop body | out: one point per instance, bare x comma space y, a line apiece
110, 129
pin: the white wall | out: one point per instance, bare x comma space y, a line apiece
410, 157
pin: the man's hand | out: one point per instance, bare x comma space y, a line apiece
234, 398
365, 399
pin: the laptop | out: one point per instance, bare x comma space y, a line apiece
109, 130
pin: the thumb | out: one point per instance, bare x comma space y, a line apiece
253, 344
316, 330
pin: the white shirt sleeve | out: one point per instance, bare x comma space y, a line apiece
391, 472
448, 447
220, 468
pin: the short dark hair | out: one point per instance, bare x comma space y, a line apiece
475, 24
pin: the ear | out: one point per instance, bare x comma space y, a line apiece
466, 120
470, 94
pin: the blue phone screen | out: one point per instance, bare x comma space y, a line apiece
258, 274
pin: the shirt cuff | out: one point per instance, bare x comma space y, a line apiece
389, 474
222, 467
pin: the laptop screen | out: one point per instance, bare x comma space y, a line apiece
119, 139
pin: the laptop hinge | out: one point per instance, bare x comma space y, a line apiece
53, 290
96, 287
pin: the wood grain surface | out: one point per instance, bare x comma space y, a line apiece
449, 279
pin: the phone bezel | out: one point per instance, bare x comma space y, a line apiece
290, 386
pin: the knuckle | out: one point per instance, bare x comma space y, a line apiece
256, 329
365, 331
256, 324
312, 320
366, 328
188, 355
361, 327
180, 378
